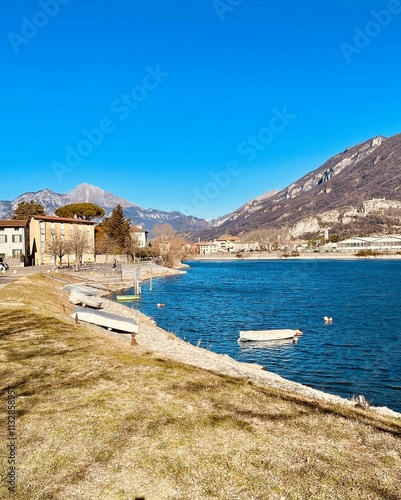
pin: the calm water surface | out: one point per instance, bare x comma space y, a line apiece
359, 353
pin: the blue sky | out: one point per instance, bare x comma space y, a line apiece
197, 106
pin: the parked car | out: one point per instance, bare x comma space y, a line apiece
3, 266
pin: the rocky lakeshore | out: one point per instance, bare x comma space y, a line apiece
166, 344
302, 256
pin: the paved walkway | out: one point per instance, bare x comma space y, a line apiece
15, 272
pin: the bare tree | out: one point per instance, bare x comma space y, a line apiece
78, 243
57, 247
171, 245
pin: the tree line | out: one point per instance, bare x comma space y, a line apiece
113, 234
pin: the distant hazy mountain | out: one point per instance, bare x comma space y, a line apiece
49, 199
345, 194
92, 194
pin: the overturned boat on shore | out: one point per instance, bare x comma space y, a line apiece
264, 335
106, 320
78, 298
85, 290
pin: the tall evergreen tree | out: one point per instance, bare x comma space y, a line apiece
24, 210
116, 229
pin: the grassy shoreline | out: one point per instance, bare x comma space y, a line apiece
97, 418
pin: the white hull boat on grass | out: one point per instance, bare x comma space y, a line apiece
78, 298
107, 320
258, 335
85, 290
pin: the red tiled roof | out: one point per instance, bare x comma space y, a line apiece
53, 218
13, 223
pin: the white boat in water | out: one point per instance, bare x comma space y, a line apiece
258, 335
107, 320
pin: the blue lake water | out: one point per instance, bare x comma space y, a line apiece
359, 353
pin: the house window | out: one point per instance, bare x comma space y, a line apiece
17, 253
1, 228
16, 229
3, 238
16, 238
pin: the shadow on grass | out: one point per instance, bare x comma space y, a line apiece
300, 406
367, 417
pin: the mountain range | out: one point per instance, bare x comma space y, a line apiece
148, 217
356, 191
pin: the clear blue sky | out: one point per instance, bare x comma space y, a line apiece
202, 105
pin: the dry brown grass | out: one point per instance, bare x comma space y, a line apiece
98, 419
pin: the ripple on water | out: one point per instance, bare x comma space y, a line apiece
359, 353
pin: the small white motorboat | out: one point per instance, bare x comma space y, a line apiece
107, 320
258, 335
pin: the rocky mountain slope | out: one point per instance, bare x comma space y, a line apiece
92, 194
356, 191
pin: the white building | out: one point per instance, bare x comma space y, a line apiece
13, 238
139, 235
250, 246
207, 248
225, 244
388, 243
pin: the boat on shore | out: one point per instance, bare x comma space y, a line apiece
85, 290
264, 335
78, 298
106, 320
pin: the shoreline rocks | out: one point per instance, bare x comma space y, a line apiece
155, 339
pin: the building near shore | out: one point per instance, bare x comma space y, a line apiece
388, 243
139, 236
207, 247
54, 239
13, 239
226, 244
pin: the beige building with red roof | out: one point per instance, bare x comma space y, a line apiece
60, 238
